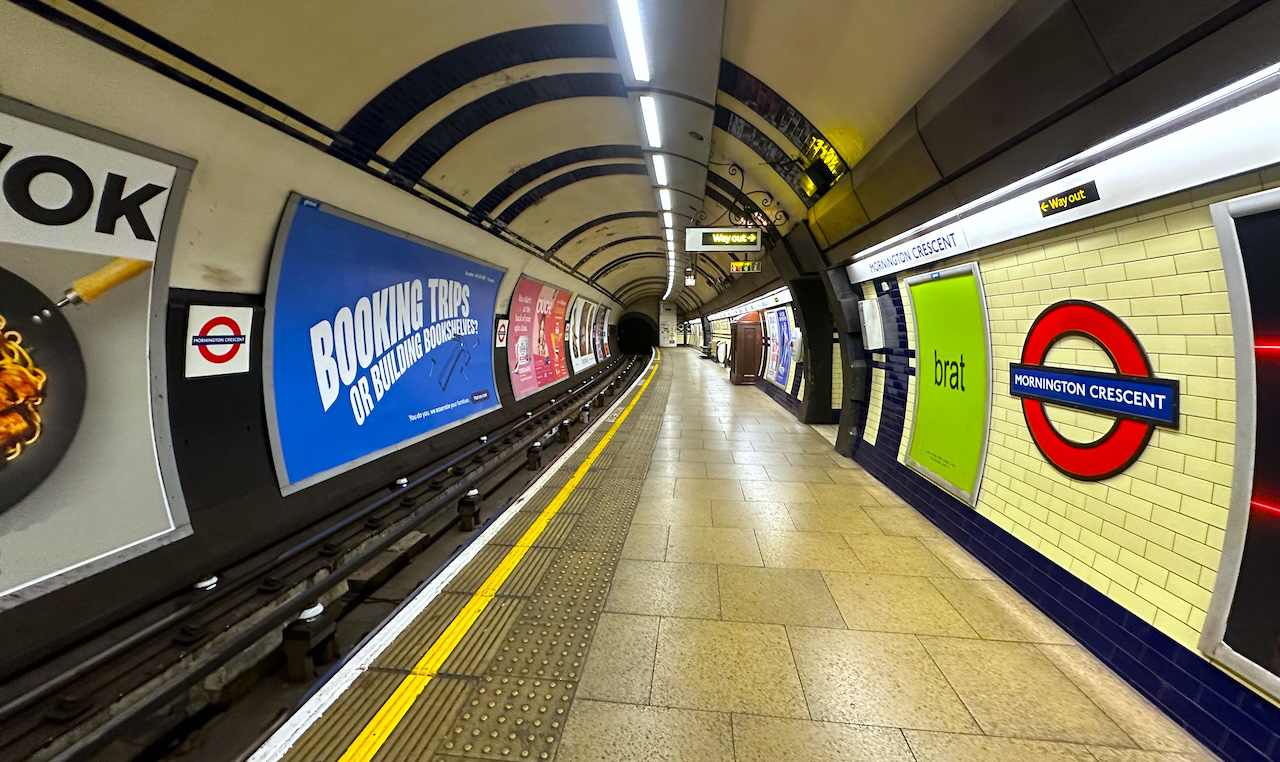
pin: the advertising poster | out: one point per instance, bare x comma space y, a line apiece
953, 391
771, 330
608, 320
599, 335
1243, 626
535, 346
375, 341
87, 478
582, 318
785, 341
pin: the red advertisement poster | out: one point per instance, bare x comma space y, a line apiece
535, 343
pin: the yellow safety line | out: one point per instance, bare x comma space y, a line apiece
397, 706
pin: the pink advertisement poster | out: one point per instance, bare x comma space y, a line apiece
535, 343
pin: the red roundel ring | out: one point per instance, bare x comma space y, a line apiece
1118, 448
222, 321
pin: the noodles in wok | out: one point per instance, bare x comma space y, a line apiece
22, 385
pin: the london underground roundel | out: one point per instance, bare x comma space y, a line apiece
1132, 395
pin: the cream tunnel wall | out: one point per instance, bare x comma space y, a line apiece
221, 246
1116, 481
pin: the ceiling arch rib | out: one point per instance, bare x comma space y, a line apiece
532, 172
452, 130
540, 192
588, 197
389, 111
600, 249
595, 223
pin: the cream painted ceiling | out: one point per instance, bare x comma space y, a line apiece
522, 113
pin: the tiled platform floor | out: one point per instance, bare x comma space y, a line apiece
774, 602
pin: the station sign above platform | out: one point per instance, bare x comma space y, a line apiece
723, 239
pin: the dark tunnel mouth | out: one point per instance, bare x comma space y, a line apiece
637, 332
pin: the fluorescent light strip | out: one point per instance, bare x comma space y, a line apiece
664, 196
649, 110
634, 32
671, 235
668, 220
660, 168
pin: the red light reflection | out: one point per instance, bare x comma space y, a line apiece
1265, 507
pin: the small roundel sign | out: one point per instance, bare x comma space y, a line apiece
218, 340
1131, 394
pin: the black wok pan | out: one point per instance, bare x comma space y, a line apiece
48, 338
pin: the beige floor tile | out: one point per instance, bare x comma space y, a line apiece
807, 550
784, 491
849, 475
658, 486
674, 469
998, 613
713, 545
720, 489
666, 453
738, 471
816, 517
950, 747
769, 739
705, 456
751, 514
875, 678
903, 522
1013, 690
1136, 716
774, 448
646, 542
777, 596
897, 555
664, 589
806, 474
596, 730
620, 663
754, 458
841, 494
727, 666
717, 444
671, 510
957, 558
890, 603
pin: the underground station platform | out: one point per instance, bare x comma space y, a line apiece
668, 591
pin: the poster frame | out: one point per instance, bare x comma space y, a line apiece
157, 353
1213, 633
971, 268
287, 487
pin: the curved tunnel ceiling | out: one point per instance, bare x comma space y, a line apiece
522, 117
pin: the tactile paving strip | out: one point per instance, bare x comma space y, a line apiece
518, 709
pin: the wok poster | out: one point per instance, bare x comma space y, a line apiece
374, 341
953, 390
87, 474
582, 318
535, 340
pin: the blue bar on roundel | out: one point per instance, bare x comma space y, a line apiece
1154, 400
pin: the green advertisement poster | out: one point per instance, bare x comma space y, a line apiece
953, 388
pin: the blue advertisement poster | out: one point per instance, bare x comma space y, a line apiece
374, 341
784, 348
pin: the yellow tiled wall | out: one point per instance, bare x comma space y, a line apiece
1151, 537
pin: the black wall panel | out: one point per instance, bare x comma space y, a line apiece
1128, 32
1050, 68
